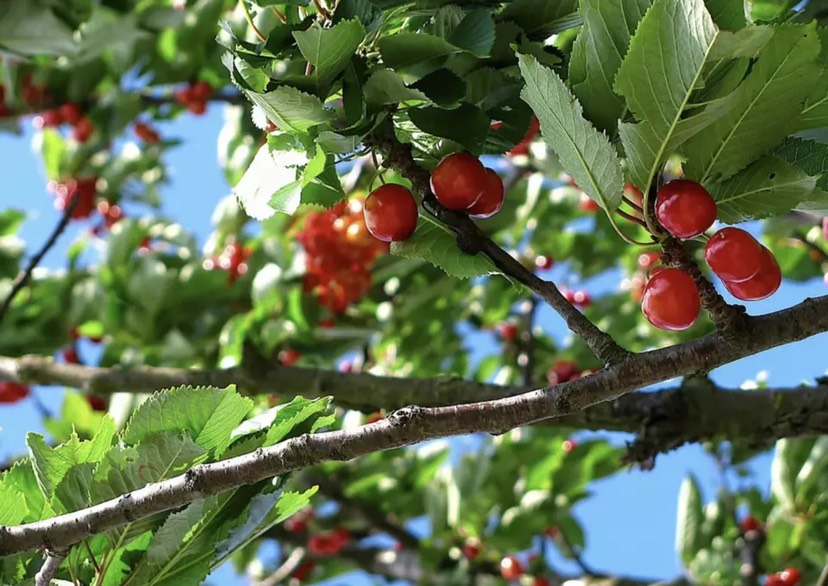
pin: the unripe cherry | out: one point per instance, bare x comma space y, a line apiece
685, 208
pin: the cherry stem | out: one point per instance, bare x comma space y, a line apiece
279, 15
623, 236
249, 18
632, 204
631, 218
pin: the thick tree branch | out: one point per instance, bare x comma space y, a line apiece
22, 279
49, 569
473, 241
415, 424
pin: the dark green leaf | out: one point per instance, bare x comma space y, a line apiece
465, 125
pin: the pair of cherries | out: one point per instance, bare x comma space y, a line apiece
460, 182
748, 269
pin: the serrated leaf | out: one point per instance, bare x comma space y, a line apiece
466, 124
433, 244
208, 415
293, 414
405, 49
809, 155
597, 54
334, 142
541, 18
292, 110
330, 49
585, 153
21, 477
690, 519
657, 77
72, 492
32, 28
762, 111
475, 33
261, 190
746, 42
727, 14
12, 505
443, 87
388, 87
769, 187
815, 112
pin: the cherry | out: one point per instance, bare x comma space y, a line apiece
12, 392
271, 127
97, 403
459, 180
671, 300
648, 259
569, 445
508, 331
541, 581
587, 204
146, 133
197, 108
733, 254
111, 213
543, 262
145, 245
296, 525
341, 536
791, 576
552, 531
374, 417
83, 130
581, 299
70, 355
184, 95
763, 284
562, 371
492, 199
774, 580
71, 113
289, 356
511, 568
749, 524
319, 545
49, 118
685, 208
471, 549
634, 194
522, 148
200, 91
304, 570
390, 213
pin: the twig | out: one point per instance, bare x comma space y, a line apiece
823, 577
284, 571
23, 278
471, 240
413, 425
49, 568
632, 204
279, 15
631, 218
576, 556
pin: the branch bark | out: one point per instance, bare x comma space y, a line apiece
49, 568
415, 424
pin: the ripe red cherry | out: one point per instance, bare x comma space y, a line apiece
471, 549
568, 445
319, 544
390, 213
543, 262
184, 96
775, 580
71, 113
374, 417
634, 194
508, 331
492, 199
733, 254
522, 148
97, 403
749, 524
685, 208
304, 570
341, 536
70, 355
587, 204
200, 91
289, 356
49, 118
541, 581
459, 180
511, 568
197, 107
12, 392
648, 259
83, 130
761, 285
671, 300
791, 576
146, 133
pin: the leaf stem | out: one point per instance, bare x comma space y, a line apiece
249, 18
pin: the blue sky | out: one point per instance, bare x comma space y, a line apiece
630, 520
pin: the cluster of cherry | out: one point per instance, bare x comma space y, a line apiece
194, 97
68, 113
340, 253
232, 259
748, 269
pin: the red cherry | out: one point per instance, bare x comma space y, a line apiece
568, 445
791, 576
522, 148
318, 544
304, 570
587, 204
492, 199
390, 213
373, 418
671, 300
83, 130
297, 525
146, 133
200, 91
49, 118
733, 254
562, 371
289, 356
71, 113
70, 355
197, 107
648, 259
552, 532
12, 392
749, 524
543, 262
459, 180
633, 193
763, 284
97, 403
581, 299
685, 208
511, 568
471, 549
271, 127
341, 536
775, 580
541, 581
508, 331
145, 245
184, 96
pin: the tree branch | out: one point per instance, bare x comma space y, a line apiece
415, 424
472, 240
49, 568
23, 278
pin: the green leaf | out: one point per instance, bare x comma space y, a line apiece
585, 153
53, 150
727, 14
292, 110
762, 111
597, 54
475, 33
658, 83
22, 478
769, 187
541, 18
388, 87
433, 244
809, 155
208, 415
405, 49
330, 49
815, 112
32, 28
10, 220
690, 519
270, 183
72, 492
442, 87
289, 416
788, 459
12, 505
811, 477
466, 124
